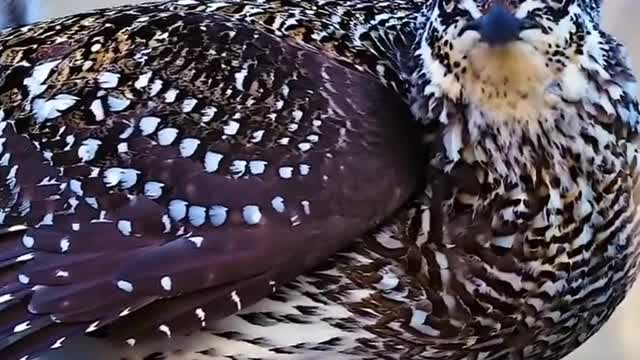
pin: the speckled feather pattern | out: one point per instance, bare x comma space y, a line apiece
167, 166
207, 159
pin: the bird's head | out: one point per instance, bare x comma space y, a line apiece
515, 58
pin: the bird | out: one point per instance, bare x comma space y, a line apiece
359, 179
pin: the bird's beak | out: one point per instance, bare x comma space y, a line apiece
499, 26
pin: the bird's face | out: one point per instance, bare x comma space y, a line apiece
509, 56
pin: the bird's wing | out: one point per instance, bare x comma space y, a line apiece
162, 167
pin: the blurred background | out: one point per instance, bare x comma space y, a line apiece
620, 338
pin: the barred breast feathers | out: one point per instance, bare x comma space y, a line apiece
172, 164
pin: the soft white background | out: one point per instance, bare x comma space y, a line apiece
620, 338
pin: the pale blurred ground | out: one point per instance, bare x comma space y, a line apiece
620, 338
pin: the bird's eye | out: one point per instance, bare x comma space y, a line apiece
448, 5
559, 3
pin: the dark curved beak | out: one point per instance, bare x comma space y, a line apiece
499, 26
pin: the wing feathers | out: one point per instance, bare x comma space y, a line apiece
146, 211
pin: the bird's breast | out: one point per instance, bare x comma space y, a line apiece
510, 81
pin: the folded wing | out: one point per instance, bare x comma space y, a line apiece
165, 169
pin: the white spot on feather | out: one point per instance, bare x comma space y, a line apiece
257, 167
285, 172
165, 329
28, 241
178, 209
148, 125
240, 76
238, 168
87, 151
24, 258
126, 311
166, 283
46, 220
127, 132
167, 136
389, 281
257, 136
22, 327
197, 215
143, 81
124, 226
385, 238
208, 113
64, 244
232, 127
201, 316
251, 214
188, 147
155, 87
418, 320
218, 215
188, 104
505, 242
126, 178
297, 115
236, 300
212, 161
306, 206
50, 109
304, 146
170, 96
40, 73
92, 327
4, 161
278, 204
97, 109
197, 240
153, 189
131, 342
283, 141
93, 202
23, 279
117, 103
108, 80
304, 169
166, 223
62, 274
123, 147
58, 343
125, 286
452, 141
87, 65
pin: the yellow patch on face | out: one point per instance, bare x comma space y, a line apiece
509, 80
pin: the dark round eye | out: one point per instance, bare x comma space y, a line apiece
448, 5
559, 3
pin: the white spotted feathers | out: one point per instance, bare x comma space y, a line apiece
153, 152
199, 163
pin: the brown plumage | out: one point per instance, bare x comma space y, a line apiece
169, 165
